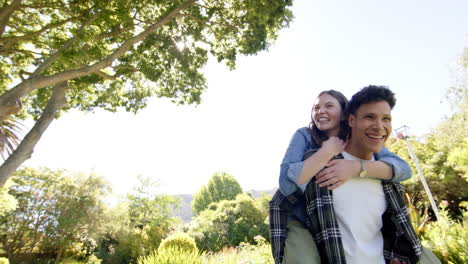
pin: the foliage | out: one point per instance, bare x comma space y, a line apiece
221, 186
258, 253
137, 225
166, 61
447, 238
171, 255
246, 253
228, 223
54, 211
90, 260
263, 203
443, 160
10, 130
7, 201
4, 261
179, 240
443, 152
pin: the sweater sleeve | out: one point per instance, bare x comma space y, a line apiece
292, 163
401, 169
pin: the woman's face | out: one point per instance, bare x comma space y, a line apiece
327, 114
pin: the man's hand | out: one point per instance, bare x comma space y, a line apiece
337, 172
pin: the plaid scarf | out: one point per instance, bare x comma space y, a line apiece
400, 239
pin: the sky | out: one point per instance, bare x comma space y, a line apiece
247, 116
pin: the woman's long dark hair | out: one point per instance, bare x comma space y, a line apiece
320, 136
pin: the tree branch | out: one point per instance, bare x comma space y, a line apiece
105, 76
26, 52
203, 21
25, 148
10, 41
5, 13
36, 82
113, 33
67, 44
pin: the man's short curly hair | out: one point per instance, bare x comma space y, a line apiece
371, 94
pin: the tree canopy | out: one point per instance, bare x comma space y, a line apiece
61, 54
53, 211
221, 186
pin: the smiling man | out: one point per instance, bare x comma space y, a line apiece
361, 202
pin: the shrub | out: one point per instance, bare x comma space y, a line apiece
447, 238
230, 224
179, 240
246, 254
171, 255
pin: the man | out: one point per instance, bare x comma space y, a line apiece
365, 220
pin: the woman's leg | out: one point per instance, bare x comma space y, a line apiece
300, 247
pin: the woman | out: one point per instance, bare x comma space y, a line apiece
327, 132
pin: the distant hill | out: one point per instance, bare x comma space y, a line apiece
184, 211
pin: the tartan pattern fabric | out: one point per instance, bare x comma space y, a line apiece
400, 239
323, 225
278, 211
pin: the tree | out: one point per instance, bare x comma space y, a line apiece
138, 225
56, 54
54, 210
221, 186
228, 223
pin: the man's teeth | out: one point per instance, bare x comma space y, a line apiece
376, 137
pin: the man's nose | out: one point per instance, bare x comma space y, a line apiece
378, 124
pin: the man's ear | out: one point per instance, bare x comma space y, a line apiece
351, 120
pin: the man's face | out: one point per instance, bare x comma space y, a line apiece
370, 127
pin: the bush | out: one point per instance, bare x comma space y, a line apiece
230, 224
171, 255
447, 238
4, 261
246, 254
179, 240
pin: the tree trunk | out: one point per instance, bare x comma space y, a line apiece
26, 147
59, 255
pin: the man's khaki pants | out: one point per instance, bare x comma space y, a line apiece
300, 248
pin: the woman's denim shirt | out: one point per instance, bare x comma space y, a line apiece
292, 164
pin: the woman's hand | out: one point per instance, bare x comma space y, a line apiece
337, 172
333, 146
